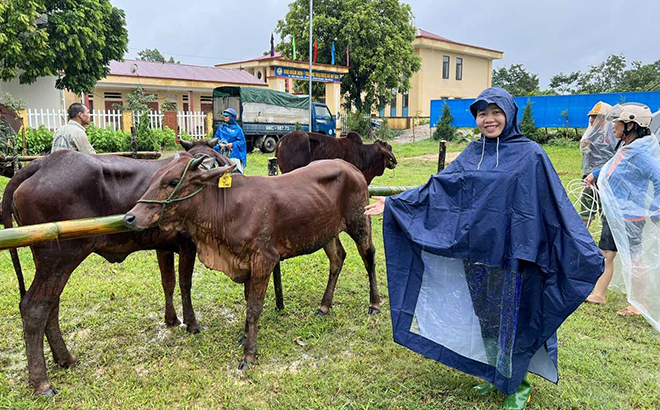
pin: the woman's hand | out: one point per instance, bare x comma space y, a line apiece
230, 145
377, 208
590, 181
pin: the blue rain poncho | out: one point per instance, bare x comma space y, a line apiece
488, 258
232, 132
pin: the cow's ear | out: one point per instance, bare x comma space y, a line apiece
212, 143
212, 175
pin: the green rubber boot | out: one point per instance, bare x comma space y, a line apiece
519, 399
484, 389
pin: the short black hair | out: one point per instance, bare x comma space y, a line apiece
75, 109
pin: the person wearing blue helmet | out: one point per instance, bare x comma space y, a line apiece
231, 140
488, 258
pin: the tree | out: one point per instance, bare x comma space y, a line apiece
516, 80
604, 77
379, 34
155, 56
564, 83
43, 37
528, 125
444, 130
642, 77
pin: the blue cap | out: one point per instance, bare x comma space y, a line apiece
229, 111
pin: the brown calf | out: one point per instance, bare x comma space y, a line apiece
246, 229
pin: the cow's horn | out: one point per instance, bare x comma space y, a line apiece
186, 144
196, 163
213, 142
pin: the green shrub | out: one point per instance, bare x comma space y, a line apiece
564, 142
166, 138
108, 140
528, 126
39, 141
385, 132
358, 122
444, 130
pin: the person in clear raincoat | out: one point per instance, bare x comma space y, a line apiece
597, 146
629, 186
488, 258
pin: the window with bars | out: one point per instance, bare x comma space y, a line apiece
445, 67
459, 68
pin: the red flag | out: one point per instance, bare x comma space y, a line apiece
348, 60
316, 49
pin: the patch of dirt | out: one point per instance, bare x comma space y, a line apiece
449, 157
422, 132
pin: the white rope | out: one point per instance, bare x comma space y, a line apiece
585, 200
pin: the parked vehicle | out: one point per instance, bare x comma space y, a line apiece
267, 115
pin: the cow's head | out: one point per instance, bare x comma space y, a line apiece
170, 198
388, 155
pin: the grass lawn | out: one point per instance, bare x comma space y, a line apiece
112, 320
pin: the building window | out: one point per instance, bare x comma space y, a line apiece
393, 103
445, 67
404, 105
108, 95
459, 68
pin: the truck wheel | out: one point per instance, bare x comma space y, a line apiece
269, 144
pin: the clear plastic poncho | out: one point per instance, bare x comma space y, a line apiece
597, 144
629, 187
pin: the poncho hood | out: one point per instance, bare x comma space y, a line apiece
504, 100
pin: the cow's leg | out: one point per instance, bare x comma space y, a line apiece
61, 354
246, 290
187, 254
168, 280
361, 234
38, 312
336, 255
256, 292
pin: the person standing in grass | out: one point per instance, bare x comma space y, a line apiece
488, 258
629, 185
597, 146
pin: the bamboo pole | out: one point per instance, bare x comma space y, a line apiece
139, 154
62, 230
388, 190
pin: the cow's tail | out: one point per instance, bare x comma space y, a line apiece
7, 203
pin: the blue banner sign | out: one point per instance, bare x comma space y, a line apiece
302, 74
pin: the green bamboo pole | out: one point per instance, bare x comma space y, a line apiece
139, 155
62, 230
388, 190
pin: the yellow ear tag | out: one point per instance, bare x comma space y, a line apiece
224, 181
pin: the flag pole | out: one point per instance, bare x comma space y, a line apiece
311, 19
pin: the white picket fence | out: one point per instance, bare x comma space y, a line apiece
107, 119
52, 119
192, 122
155, 119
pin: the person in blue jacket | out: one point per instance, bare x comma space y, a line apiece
231, 139
629, 186
488, 258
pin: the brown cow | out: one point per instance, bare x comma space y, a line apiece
244, 230
299, 148
70, 185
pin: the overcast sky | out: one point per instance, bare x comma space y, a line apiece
546, 36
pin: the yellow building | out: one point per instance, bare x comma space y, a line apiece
189, 87
279, 73
448, 70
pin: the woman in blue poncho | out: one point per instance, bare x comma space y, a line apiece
488, 258
231, 138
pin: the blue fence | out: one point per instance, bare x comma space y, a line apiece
548, 109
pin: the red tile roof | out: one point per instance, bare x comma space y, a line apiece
182, 72
426, 34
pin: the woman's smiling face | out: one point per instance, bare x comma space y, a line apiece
491, 121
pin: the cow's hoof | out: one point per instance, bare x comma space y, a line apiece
69, 364
374, 310
194, 329
173, 323
241, 340
321, 312
242, 365
50, 391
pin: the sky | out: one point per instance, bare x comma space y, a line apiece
547, 37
